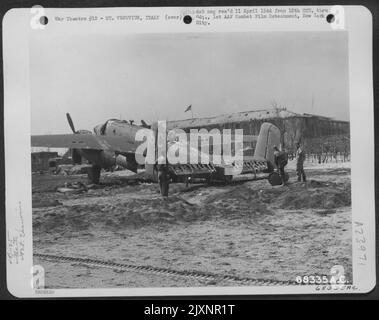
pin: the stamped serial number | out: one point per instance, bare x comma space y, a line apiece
336, 276
315, 279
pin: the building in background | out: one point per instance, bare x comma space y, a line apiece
40, 160
43, 161
324, 138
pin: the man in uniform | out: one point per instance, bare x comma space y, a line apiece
281, 160
300, 157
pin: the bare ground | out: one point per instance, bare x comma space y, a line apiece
247, 229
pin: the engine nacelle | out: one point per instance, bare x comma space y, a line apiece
127, 162
107, 159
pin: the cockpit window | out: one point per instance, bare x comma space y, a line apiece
103, 128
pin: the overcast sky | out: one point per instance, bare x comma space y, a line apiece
155, 77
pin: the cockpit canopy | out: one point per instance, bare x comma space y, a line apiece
101, 128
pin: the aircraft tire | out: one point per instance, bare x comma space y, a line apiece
94, 174
275, 179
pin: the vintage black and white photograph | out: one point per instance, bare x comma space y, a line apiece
286, 214
191, 159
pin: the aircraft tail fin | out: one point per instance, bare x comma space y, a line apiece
269, 136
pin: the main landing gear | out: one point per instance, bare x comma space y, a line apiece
94, 174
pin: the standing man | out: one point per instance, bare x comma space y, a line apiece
281, 160
300, 157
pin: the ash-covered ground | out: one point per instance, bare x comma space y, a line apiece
249, 229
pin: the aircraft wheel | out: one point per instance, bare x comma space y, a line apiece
275, 179
94, 174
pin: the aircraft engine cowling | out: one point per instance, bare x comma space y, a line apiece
127, 162
107, 159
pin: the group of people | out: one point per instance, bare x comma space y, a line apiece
281, 160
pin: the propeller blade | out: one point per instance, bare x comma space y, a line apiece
70, 122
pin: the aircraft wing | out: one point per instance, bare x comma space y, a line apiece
85, 141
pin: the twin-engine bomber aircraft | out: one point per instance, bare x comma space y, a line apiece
114, 143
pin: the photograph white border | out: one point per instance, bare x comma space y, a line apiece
17, 32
